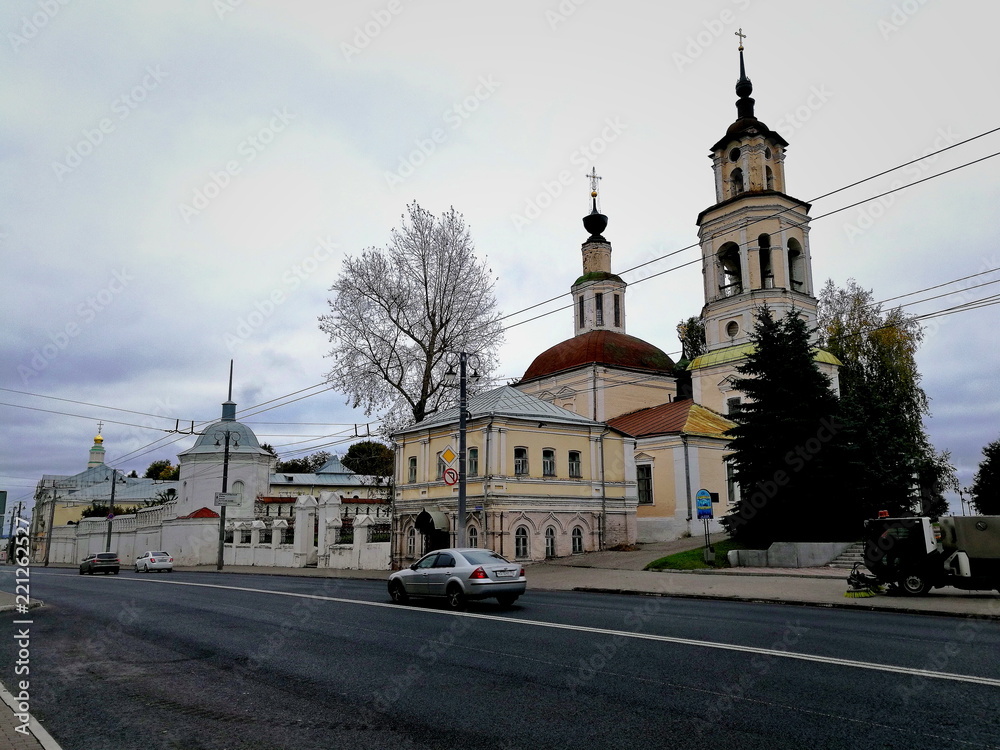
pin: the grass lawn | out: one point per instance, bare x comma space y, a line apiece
694, 559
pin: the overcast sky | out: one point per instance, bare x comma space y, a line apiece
181, 181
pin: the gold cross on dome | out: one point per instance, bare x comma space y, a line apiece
742, 36
593, 180
100, 425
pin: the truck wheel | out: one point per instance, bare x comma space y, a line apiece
914, 584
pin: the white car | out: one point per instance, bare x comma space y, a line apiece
154, 561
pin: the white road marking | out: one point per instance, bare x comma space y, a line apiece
993, 682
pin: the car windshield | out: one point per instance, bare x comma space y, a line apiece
483, 557
107, 556
159, 554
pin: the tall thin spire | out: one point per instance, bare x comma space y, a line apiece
595, 222
229, 407
744, 106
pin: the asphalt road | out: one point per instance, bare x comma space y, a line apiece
152, 661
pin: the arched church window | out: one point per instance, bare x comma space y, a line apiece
735, 182
764, 256
731, 273
796, 265
521, 542
769, 176
550, 542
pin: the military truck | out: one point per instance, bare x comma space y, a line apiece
916, 554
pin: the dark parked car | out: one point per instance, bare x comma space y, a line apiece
458, 575
102, 562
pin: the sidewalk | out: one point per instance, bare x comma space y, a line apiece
623, 573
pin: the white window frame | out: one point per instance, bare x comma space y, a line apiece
577, 540
522, 542
549, 463
648, 482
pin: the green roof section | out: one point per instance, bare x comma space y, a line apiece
733, 353
598, 276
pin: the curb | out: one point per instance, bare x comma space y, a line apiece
760, 600
37, 730
34, 603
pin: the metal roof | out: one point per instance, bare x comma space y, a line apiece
506, 401
682, 417
733, 353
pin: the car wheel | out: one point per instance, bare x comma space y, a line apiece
398, 593
81, 572
115, 572
170, 570
914, 584
455, 596
507, 600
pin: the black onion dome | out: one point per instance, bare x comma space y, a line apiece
595, 223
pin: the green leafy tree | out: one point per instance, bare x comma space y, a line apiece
882, 402
304, 465
371, 458
786, 446
691, 333
163, 470
269, 448
399, 312
986, 484
935, 476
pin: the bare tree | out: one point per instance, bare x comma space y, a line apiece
400, 311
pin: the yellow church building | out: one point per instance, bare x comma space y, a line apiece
755, 251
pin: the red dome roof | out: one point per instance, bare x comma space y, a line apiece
600, 347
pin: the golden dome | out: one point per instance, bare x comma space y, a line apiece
98, 440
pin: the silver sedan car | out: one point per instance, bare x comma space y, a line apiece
458, 575
154, 561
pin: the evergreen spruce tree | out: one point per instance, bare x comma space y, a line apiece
786, 450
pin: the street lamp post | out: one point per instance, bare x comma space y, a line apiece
225, 435
463, 358
52, 520
111, 507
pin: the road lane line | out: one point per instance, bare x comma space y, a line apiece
833, 661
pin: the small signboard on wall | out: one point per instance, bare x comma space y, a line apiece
227, 498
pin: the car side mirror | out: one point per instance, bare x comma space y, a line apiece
413, 566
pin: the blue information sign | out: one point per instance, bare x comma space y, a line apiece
703, 502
